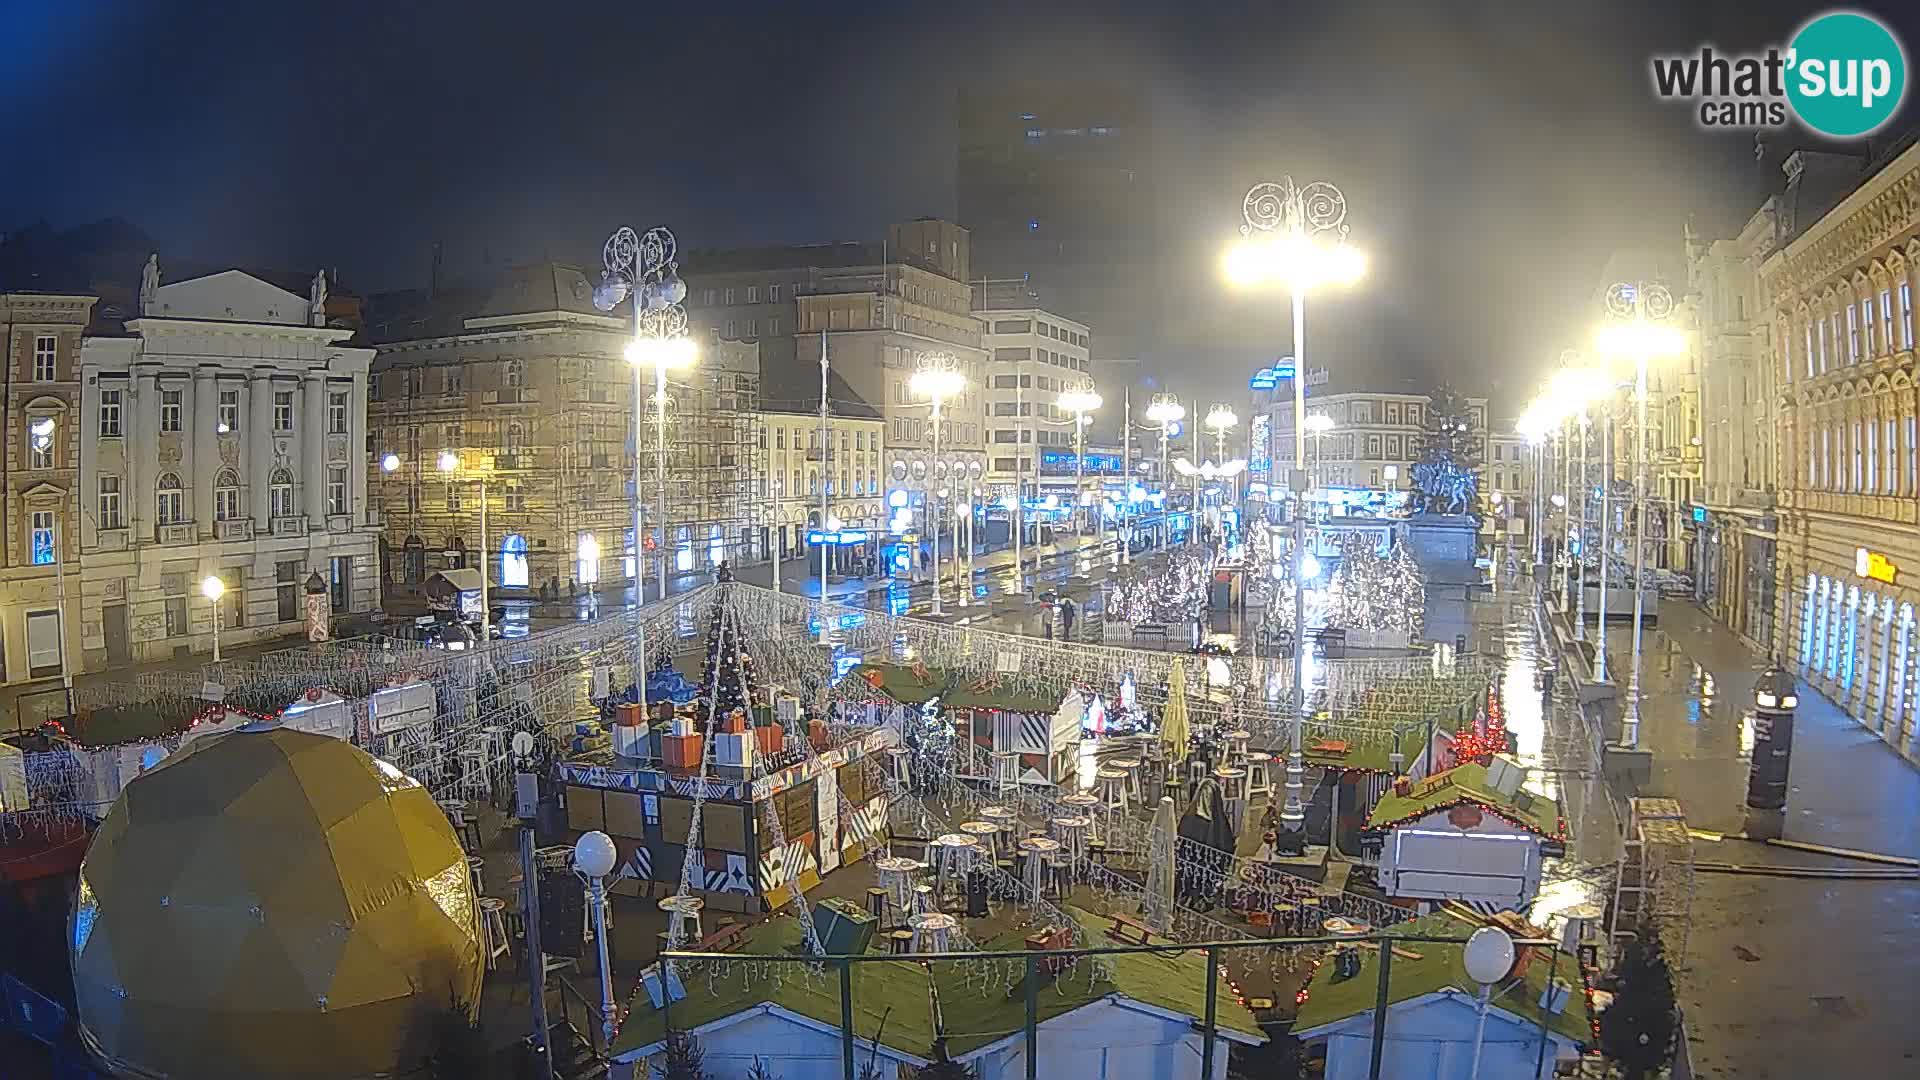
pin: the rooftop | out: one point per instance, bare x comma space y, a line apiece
906, 995
1436, 967
1466, 784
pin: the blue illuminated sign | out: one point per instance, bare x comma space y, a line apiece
1700, 514
1284, 368
1058, 462
838, 539
1264, 379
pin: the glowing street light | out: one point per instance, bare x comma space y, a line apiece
213, 589
389, 462
939, 378
1080, 401
449, 463
1638, 310
1295, 236
1166, 412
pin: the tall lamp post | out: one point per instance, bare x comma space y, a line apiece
1221, 419
1079, 401
1317, 426
1296, 236
1166, 413
939, 378
1638, 310
449, 463
213, 589
594, 856
645, 267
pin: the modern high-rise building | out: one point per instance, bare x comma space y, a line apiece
1055, 181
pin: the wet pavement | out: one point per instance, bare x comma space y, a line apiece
1788, 977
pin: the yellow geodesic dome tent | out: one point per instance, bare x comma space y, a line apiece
271, 902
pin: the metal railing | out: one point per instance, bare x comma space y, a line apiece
715, 967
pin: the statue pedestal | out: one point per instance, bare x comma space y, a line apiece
1444, 546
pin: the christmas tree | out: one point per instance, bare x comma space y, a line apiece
1637, 1030
1446, 479
686, 1060
726, 656
1485, 738
1375, 592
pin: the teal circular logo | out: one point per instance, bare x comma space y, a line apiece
1846, 74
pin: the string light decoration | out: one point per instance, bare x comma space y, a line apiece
1486, 736
1374, 592
1175, 593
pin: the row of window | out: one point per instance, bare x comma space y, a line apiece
1042, 327
812, 439
453, 378
173, 412
1044, 438
732, 294
1865, 457
170, 498
1026, 382
775, 326
780, 491
912, 431
1865, 335
1045, 356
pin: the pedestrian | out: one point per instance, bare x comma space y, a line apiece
573, 590
1067, 616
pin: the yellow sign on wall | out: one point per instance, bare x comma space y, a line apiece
1874, 566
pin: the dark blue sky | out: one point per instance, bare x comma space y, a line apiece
1494, 154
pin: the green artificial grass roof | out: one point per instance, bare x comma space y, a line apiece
1008, 698
898, 681
1367, 750
902, 993
1461, 784
1440, 967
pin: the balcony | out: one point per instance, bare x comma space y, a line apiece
517, 395
290, 526
233, 529
512, 461
174, 533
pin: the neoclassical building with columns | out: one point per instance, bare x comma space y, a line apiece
1843, 345
223, 433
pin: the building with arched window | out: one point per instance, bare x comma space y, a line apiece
224, 435
1841, 297
525, 382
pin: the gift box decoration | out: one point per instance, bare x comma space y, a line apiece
681, 751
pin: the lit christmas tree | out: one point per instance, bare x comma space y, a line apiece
1375, 592
1487, 736
735, 687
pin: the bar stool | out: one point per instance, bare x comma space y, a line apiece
680, 910
1130, 766
1233, 788
932, 931
897, 771
1114, 792
476, 871
1058, 877
1072, 831
466, 828
1082, 804
900, 941
493, 927
951, 858
985, 834
1005, 769
1038, 849
896, 876
474, 781
877, 904
1259, 775
1236, 746
1005, 818
923, 899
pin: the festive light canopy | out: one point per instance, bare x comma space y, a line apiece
270, 902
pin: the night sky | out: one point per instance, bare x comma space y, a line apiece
1494, 155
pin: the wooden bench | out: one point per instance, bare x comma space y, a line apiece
725, 939
1129, 931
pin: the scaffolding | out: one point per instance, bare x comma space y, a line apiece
1656, 883
714, 462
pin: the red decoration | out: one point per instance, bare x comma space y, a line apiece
1465, 816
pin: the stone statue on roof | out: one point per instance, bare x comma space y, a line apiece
318, 296
149, 282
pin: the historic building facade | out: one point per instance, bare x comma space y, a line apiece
525, 383
1842, 299
1735, 564
40, 558
222, 434
797, 467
